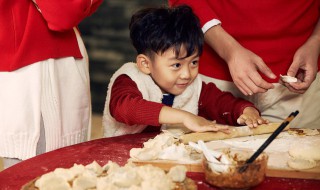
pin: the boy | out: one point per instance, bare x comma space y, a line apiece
163, 86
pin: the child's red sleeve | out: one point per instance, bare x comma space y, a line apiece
128, 106
223, 107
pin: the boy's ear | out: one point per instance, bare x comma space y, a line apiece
143, 63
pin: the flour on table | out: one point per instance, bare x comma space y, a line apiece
287, 147
280, 144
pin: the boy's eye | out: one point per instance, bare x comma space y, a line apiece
195, 63
176, 65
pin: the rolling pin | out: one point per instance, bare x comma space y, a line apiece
240, 131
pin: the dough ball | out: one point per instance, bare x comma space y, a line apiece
301, 164
177, 173
305, 150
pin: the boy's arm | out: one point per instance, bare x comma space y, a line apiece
128, 106
186, 119
221, 106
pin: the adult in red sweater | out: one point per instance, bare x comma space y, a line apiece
163, 86
249, 44
44, 78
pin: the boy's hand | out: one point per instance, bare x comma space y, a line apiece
251, 118
200, 124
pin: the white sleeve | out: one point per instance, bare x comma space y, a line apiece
210, 24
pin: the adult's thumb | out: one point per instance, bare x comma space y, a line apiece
293, 70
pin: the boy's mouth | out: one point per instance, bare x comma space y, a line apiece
183, 85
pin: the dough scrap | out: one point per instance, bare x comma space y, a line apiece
177, 173
287, 78
163, 147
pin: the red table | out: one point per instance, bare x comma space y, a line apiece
115, 149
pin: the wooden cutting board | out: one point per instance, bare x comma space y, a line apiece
277, 165
313, 173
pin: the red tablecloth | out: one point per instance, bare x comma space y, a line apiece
115, 149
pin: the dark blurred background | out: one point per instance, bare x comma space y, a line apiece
106, 36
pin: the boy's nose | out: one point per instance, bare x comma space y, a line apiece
185, 73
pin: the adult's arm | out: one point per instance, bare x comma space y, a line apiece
243, 64
66, 14
305, 63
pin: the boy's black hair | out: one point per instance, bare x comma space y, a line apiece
155, 30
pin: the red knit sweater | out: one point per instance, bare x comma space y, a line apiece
128, 106
28, 36
273, 29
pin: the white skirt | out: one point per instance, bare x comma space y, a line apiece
276, 104
55, 92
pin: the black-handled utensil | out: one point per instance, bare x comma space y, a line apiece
269, 140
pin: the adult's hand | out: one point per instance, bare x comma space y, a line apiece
243, 64
305, 63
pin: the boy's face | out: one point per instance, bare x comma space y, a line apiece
173, 75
